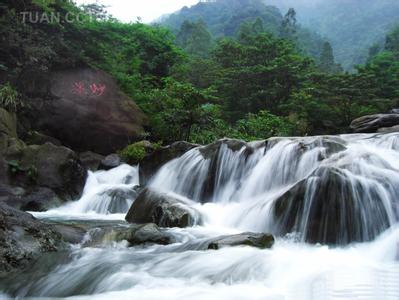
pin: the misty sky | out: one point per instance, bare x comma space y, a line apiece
148, 10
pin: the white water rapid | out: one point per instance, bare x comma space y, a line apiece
332, 203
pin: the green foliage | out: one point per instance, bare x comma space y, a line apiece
9, 97
262, 126
133, 153
194, 38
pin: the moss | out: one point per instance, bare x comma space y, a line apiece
134, 153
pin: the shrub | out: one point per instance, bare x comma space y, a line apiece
9, 97
134, 153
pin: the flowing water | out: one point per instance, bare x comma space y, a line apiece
342, 191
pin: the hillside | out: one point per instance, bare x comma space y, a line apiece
351, 26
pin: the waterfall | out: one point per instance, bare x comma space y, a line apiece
106, 192
326, 189
308, 192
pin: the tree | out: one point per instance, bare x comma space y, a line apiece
194, 38
327, 62
288, 25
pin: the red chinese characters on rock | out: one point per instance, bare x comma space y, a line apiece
95, 89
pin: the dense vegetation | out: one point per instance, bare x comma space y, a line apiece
352, 26
229, 18
254, 84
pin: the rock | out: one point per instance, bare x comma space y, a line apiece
162, 209
259, 240
111, 161
37, 138
331, 208
91, 160
389, 129
8, 129
54, 167
23, 239
394, 111
36, 199
70, 233
371, 123
143, 234
87, 111
211, 151
150, 165
8, 123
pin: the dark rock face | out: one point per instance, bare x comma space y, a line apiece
259, 240
154, 161
38, 138
91, 160
36, 199
8, 129
54, 167
23, 239
109, 162
330, 208
371, 123
161, 209
87, 112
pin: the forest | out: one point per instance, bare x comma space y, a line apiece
248, 79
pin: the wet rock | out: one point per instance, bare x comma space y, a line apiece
371, 123
70, 233
91, 160
162, 209
258, 240
87, 111
144, 234
23, 239
389, 129
54, 167
36, 199
150, 165
111, 161
210, 151
331, 208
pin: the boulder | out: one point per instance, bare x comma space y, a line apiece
38, 138
162, 209
134, 234
91, 160
150, 165
35, 199
144, 234
109, 162
331, 207
23, 239
371, 123
258, 240
54, 167
87, 111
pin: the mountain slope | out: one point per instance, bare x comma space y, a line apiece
352, 26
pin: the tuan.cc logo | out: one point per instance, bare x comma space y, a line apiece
94, 89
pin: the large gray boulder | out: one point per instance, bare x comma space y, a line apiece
371, 123
86, 111
258, 240
162, 209
23, 239
54, 167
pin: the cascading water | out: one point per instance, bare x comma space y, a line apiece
105, 192
339, 190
